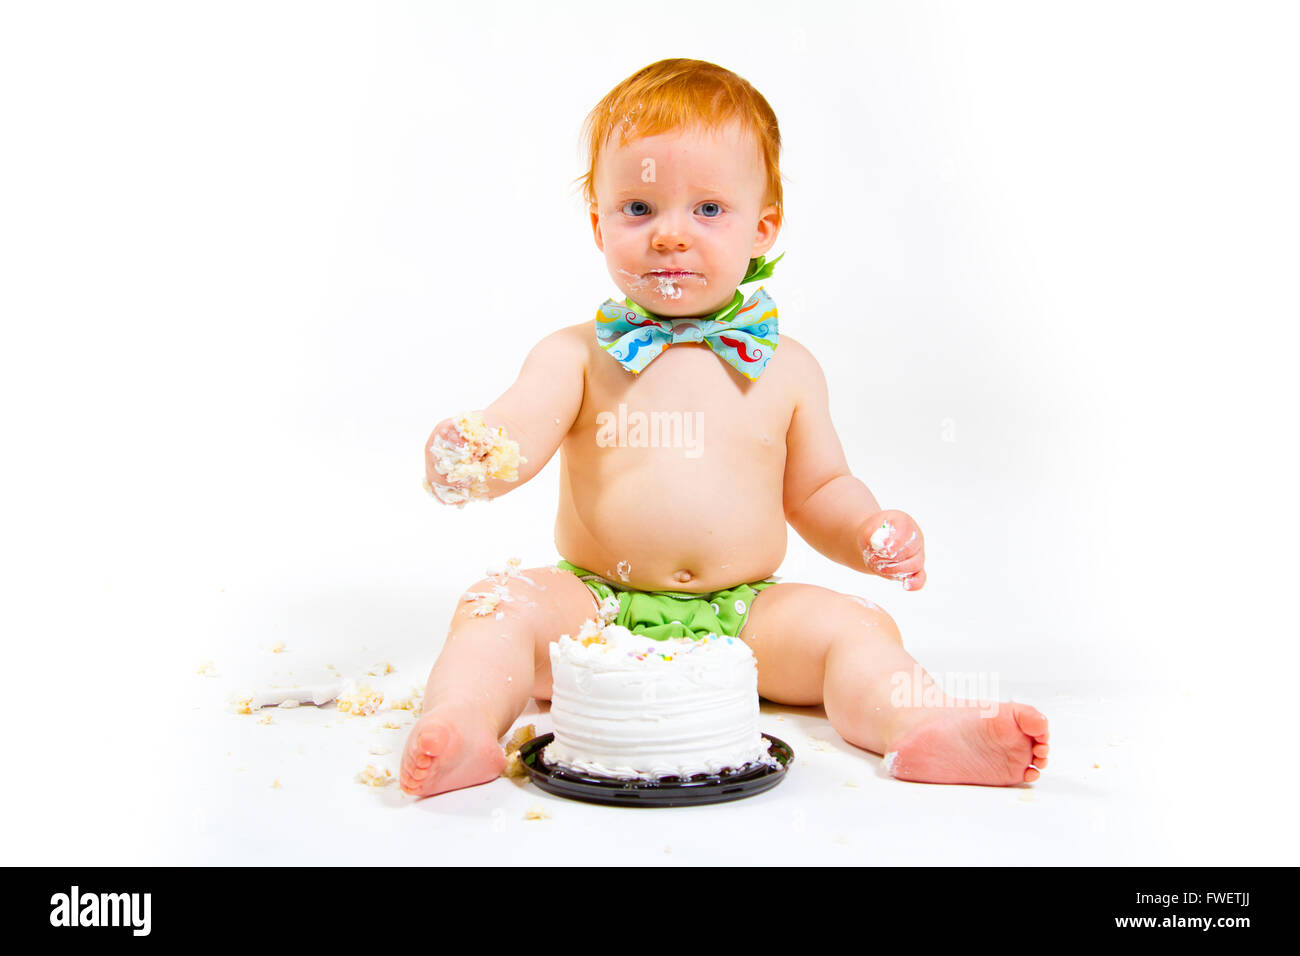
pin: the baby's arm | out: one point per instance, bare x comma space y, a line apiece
831, 509
537, 411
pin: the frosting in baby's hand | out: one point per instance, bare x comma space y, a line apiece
880, 537
482, 452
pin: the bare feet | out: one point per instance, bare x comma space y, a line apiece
968, 745
450, 748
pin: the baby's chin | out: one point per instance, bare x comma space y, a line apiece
676, 300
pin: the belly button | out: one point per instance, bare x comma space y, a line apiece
683, 576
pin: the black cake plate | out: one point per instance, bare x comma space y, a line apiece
665, 792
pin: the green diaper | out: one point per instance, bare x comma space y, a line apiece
664, 614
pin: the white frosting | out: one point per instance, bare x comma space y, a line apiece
880, 536
668, 287
625, 705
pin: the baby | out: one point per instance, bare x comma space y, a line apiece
687, 518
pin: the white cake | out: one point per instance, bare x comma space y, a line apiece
627, 706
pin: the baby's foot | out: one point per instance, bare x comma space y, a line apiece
965, 745
450, 748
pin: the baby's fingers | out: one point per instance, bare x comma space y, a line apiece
897, 570
448, 432
446, 493
895, 538
443, 444
445, 441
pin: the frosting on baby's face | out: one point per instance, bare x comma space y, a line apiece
680, 215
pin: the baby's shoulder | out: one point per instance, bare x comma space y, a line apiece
565, 346
796, 356
574, 337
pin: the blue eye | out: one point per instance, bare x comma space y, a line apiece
710, 205
636, 207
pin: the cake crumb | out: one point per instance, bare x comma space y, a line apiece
608, 609
207, 669
514, 766
591, 632
379, 750
277, 647
363, 702
373, 777
264, 719
536, 813
379, 669
389, 725
485, 602
275, 785
514, 763
520, 737
414, 701
509, 570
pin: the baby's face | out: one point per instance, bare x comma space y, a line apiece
680, 215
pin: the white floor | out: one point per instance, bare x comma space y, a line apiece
1138, 775
1103, 801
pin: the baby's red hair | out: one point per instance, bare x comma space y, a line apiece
682, 94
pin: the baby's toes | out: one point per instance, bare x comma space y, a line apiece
411, 776
1040, 755
1030, 721
431, 741
1038, 760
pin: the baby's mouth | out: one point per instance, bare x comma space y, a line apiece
668, 280
673, 275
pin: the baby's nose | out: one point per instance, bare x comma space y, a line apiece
671, 238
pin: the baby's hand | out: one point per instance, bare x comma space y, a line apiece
893, 548
446, 437
463, 454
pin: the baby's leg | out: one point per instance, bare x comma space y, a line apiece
487, 671
817, 646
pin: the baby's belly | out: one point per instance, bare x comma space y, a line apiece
654, 520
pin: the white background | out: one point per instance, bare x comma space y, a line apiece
250, 253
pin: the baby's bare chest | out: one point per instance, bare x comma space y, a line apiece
690, 400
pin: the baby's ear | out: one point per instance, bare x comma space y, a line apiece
595, 227
769, 227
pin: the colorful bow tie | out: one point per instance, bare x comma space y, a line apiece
743, 334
